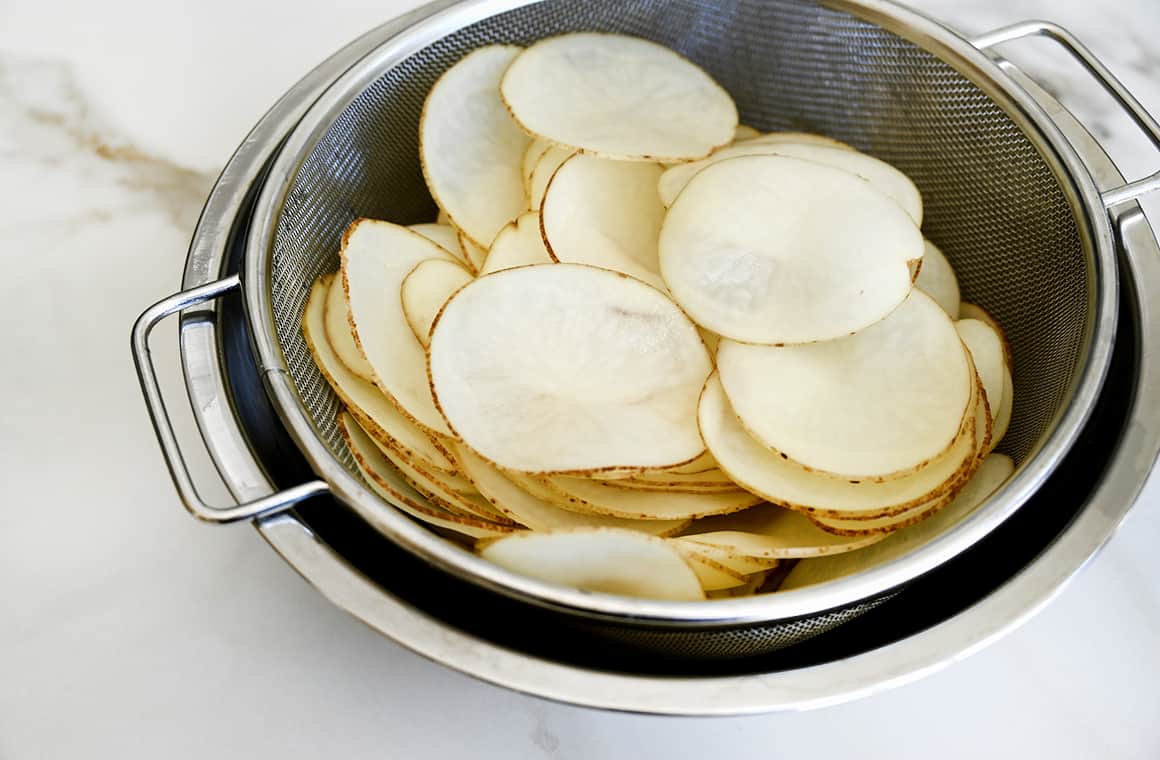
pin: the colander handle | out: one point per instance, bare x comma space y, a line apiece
163, 426
1107, 80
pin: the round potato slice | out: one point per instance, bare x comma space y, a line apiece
520, 505
369, 406
602, 559
446, 237
470, 148
880, 175
340, 335
724, 556
937, 279
390, 486
426, 289
376, 256
712, 575
713, 481
586, 495
974, 311
745, 132
542, 175
993, 472
569, 369
618, 97
772, 533
806, 138
986, 349
876, 405
536, 149
789, 485
1006, 406
519, 244
475, 254
754, 251
605, 213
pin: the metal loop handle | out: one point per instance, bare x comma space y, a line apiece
163, 426
1107, 80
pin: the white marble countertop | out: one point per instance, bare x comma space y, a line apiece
131, 631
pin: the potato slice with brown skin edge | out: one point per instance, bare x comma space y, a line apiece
523, 507
991, 475
586, 495
974, 311
446, 237
339, 335
804, 138
383, 480
937, 279
536, 150
526, 399
986, 349
474, 253
750, 588
542, 175
517, 245
1003, 416
426, 289
727, 556
745, 132
712, 575
772, 533
373, 411
599, 559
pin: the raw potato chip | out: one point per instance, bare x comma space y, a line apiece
725, 556
605, 213
376, 256
426, 289
1006, 406
470, 148
880, 175
536, 149
937, 279
339, 334
994, 470
768, 249
374, 412
806, 138
446, 237
772, 533
391, 487
518, 244
604, 560
712, 575
569, 369
986, 349
618, 97
475, 254
545, 169
745, 132
586, 495
872, 406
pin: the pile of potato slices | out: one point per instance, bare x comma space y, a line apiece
646, 350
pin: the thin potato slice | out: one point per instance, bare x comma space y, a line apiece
426, 289
752, 251
986, 349
805, 138
698, 482
750, 587
789, 485
937, 279
974, 311
519, 244
536, 149
585, 495
542, 175
876, 405
772, 533
446, 237
388, 484
474, 253
618, 97
726, 556
374, 412
339, 333
523, 507
880, 175
1006, 406
569, 369
704, 463
994, 470
605, 213
712, 575
470, 148
745, 132
599, 559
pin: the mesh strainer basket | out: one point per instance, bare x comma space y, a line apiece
1005, 197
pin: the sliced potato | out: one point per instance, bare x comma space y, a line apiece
569, 369
388, 484
542, 174
712, 575
424, 291
806, 138
745, 132
750, 587
751, 251
599, 559
880, 175
789, 485
938, 280
470, 148
713, 481
519, 244
586, 495
536, 149
974, 311
475, 254
704, 463
726, 556
376, 256
340, 335
618, 97
773, 533
605, 213
374, 412
523, 507
994, 470
986, 349
872, 406
1006, 406
446, 237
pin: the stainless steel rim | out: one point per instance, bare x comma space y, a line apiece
903, 662
443, 17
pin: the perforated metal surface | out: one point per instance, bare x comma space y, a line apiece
992, 204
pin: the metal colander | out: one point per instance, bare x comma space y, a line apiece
1004, 198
